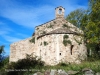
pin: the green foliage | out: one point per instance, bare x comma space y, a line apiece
45, 43
1, 52
65, 37
1, 55
5, 61
65, 25
89, 21
62, 64
94, 65
33, 40
54, 22
50, 26
37, 29
44, 32
92, 29
65, 40
75, 17
79, 42
29, 62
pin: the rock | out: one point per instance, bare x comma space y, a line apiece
98, 73
89, 72
35, 74
59, 70
53, 72
86, 69
72, 72
39, 73
62, 72
47, 72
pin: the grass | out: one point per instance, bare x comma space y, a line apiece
93, 65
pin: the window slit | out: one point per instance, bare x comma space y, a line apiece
71, 49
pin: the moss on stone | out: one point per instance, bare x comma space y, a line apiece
32, 40
45, 43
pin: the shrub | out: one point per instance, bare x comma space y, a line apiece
44, 32
65, 40
79, 42
64, 25
63, 64
45, 43
65, 37
33, 40
25, 64
50, 26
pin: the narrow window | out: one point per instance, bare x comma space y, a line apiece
71, 49
60, 11
59, 53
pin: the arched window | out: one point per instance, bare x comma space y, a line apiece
71, 49
60, 11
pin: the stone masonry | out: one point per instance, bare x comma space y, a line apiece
55, 41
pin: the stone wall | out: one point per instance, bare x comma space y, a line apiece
55, 24
55, 51
18, 50
50, 48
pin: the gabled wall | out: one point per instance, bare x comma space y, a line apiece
50, 47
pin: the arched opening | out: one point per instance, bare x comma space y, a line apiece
71, 49
60, 11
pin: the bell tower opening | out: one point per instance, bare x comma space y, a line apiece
60, 12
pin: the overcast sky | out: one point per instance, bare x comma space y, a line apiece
18, 18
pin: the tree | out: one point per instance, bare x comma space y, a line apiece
75, 17
93, 26
89, 21
1, 52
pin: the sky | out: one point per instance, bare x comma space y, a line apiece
18, 18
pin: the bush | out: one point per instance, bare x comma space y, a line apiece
45, 43
33, 40
24, 65
63, 64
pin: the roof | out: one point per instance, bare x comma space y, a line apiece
62, 30
59, 31
60, 7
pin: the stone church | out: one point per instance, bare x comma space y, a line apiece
54, 42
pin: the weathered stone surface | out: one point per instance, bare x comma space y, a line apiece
72, 72
49, 38
89, 72
86, 69
62, 72
39, 73
47, 72
53, 72
98, 73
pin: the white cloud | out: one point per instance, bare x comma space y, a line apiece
22, 35
26, 17
11, 39
4, 29
30, 16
